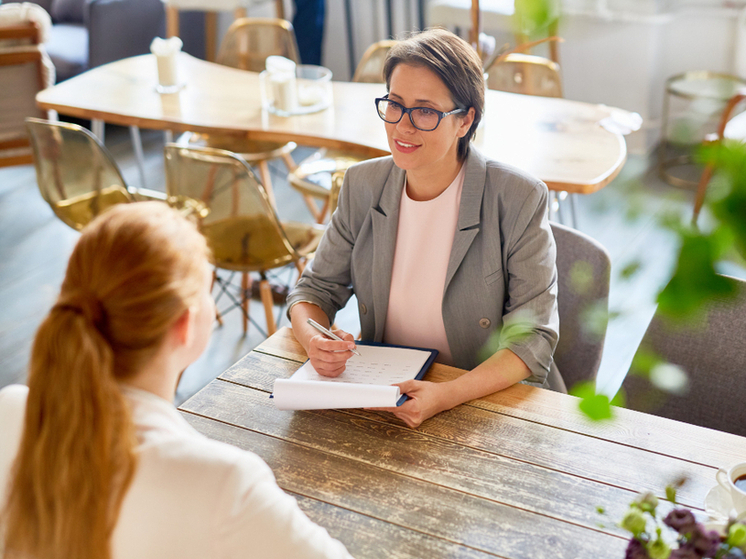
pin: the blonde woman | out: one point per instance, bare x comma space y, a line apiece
95, 462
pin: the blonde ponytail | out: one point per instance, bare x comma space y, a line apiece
132, 274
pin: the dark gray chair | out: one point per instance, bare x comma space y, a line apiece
712, 351
88, 33
584, 273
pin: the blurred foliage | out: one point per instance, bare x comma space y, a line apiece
695, 281
514, 330
595, 406
535, 18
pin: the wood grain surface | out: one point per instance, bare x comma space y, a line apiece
517, 474
556, 140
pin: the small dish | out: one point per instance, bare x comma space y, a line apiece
719, 509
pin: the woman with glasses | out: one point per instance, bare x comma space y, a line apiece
95, 461
443, 248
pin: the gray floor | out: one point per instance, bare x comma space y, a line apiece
34, 247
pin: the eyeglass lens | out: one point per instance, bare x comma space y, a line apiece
423, 118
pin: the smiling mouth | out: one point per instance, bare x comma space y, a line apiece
405, 144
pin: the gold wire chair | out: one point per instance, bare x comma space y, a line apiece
246, 46
76, 175
211, 17
249, 41
370, 67
238, 220
313, 176
526, 74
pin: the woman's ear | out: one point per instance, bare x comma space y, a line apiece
183, 328
466, 122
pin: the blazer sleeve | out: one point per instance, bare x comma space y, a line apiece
327, 280
531, 316
258, 519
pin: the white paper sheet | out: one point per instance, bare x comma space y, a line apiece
366, 382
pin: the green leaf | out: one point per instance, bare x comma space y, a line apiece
630, 269
695, 280
596, 407
671, 493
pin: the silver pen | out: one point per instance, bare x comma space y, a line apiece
328, 333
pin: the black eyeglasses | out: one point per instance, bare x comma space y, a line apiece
422, 118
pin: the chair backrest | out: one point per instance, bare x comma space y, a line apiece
231, 206
76, 174
712, 352
584, 274
526, 74
249, 41
370, 67
24, 71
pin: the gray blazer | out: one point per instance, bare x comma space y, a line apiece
501, 281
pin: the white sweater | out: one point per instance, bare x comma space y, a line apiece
190, 496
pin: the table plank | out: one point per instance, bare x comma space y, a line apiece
643, 431
400, 499
365, 537
535, 444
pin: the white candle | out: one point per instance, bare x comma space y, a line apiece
284, 91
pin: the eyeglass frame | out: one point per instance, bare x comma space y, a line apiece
408, 111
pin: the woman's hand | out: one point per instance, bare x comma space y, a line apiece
425, 400
329, 357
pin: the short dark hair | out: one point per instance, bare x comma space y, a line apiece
454, 61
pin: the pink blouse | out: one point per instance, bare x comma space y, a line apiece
423, 247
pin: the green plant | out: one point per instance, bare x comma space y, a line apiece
678, 535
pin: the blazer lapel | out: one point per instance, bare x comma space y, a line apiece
469, 212
385, 223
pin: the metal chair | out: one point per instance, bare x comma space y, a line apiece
712, 352
237, 218
25, 69
76, 174
731, 128
246, 46
313, 176
584, 274
526, 74
370, 67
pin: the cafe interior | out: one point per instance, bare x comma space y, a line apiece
630, 111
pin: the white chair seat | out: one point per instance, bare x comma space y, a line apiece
736, 128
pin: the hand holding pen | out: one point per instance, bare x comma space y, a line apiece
328, 333
327, 355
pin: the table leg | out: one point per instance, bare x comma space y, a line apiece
574, 210
137, 146
98, 127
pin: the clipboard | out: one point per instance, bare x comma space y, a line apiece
366, 382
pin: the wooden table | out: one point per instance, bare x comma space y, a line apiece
556, 140
518, 474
